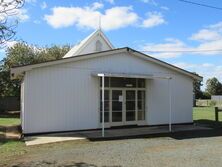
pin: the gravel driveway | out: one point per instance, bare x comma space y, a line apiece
152, 152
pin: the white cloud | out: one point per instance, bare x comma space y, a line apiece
69, 16
210, 38
110, 1
207, 70
153, 19
164, 50
44, 5
212, 47
30, 1
206, 35
118, 17
113, 18
153, 2
217, 26
36, 21
10, 43
6, 45
209, 43
164, 8
22, 15
96, 5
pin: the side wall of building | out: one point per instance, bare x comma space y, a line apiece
66, 97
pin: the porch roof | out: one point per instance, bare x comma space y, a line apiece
129, 75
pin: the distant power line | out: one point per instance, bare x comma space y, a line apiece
179, 51
201, 4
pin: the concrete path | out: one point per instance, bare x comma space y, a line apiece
52, 138
109, 134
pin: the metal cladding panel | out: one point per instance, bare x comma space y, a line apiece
158, 103
61, 100
66, 97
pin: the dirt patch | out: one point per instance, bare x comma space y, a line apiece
57, 164
10, 132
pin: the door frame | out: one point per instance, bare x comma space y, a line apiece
124, 122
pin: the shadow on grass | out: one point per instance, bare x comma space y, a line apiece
4, 141
10, 115
208, 123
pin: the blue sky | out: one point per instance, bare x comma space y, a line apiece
145, 25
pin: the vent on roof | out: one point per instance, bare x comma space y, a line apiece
98, 46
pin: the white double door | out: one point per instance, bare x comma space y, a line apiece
123, 105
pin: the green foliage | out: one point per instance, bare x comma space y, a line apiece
197, 89
214, 87
206, 95
23, 54
213, 103
8, 87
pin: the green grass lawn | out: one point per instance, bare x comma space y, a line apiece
204, 113
5, 121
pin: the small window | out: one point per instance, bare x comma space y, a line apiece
98, 46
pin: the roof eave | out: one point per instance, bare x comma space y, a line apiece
15, 71
19, 70
167, 65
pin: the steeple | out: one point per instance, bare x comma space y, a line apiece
95, 42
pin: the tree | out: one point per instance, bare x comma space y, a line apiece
214, 87
197, 89
206, 95
8, 9
23, 54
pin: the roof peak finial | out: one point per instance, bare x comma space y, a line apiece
100, 17
100, 28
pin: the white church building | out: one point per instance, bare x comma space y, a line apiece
98, 86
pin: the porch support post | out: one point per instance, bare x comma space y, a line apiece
103, 104
170, 104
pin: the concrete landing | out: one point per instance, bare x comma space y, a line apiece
109, 134
51, 138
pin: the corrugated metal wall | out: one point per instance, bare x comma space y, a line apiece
66, 97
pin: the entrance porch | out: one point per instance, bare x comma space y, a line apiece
116, 133
123, 99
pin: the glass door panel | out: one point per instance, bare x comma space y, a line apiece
117, 106
130, 105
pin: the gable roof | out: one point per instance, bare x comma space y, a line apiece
15, 71
77, 49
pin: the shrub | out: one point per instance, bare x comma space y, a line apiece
213, 103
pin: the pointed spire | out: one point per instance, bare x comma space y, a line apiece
100, 18
100, 22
